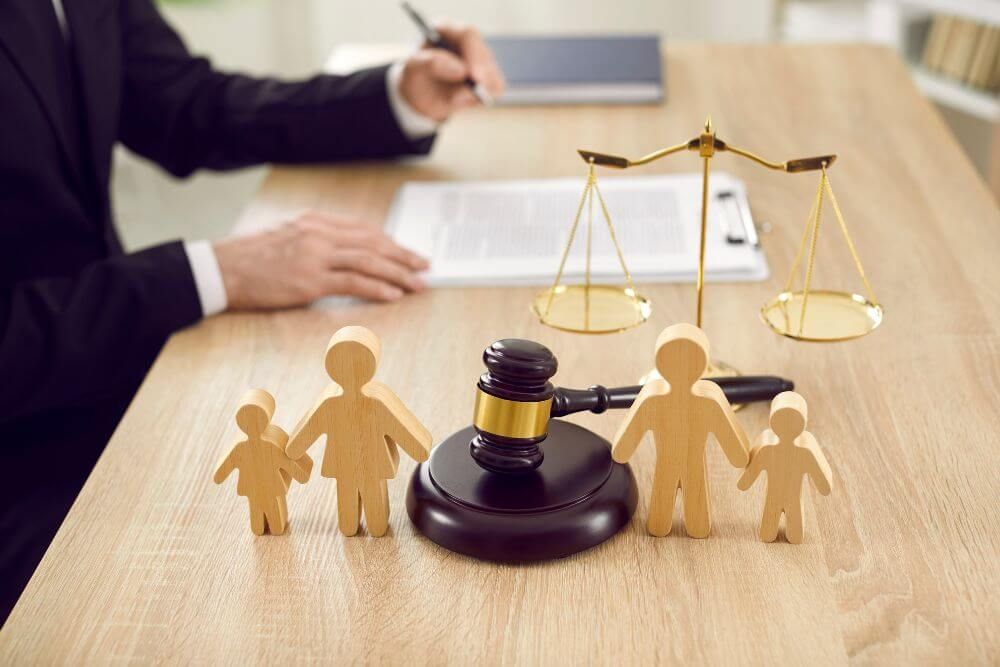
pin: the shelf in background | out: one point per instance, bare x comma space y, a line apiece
957, 95
983, 11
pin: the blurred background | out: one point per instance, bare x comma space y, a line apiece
950, 46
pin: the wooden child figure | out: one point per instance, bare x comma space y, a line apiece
681, 410
787, 452
266, 471
363, 422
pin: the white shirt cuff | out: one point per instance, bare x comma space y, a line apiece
414, 124
207, 277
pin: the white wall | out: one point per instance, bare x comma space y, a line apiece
292, 36
726, 20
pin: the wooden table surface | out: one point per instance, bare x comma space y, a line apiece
900, 564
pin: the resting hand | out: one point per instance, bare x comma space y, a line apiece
432, 81
313, 256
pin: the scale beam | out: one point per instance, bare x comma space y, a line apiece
618, 162
794, 166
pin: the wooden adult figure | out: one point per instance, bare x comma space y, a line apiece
787, 452
266, 471
680, 411
363, 422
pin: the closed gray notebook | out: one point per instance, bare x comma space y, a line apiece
624, 69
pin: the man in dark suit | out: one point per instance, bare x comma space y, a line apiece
81, 320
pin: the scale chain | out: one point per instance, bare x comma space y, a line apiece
847, 237
591, 182
618, 249
812, 251
790, 285
590, 226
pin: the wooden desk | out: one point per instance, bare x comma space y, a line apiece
899, 564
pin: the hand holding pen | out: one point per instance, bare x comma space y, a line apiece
455, 69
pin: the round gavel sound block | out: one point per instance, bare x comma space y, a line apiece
518, 486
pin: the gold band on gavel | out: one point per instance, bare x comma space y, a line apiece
511, 419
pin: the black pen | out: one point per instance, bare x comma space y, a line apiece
434, 38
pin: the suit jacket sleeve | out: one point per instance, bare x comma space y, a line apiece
76, 339
180, 112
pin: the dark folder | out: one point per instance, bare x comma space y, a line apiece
621, 69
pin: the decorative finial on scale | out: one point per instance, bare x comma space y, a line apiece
708, 124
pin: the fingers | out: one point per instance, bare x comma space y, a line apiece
378, 267
446, 66
349, 233
396, 252
433, 80
477, 55
463, 97
312, 257
356, 259
448, 69
348, 283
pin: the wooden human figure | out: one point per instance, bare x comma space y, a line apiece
787, 452
363, 422
266, 471
681, 410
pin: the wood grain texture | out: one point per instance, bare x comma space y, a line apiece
787, 453
680, 411
900, 568
363, 424
265, 471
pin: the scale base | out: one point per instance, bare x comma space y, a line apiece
577, 498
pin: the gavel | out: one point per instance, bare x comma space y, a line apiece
515, 400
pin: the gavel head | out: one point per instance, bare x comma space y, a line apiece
513, 403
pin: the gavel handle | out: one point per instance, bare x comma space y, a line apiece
597, 399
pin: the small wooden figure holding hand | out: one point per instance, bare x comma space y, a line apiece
681, 410
787, 452
363, 422
266, 471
